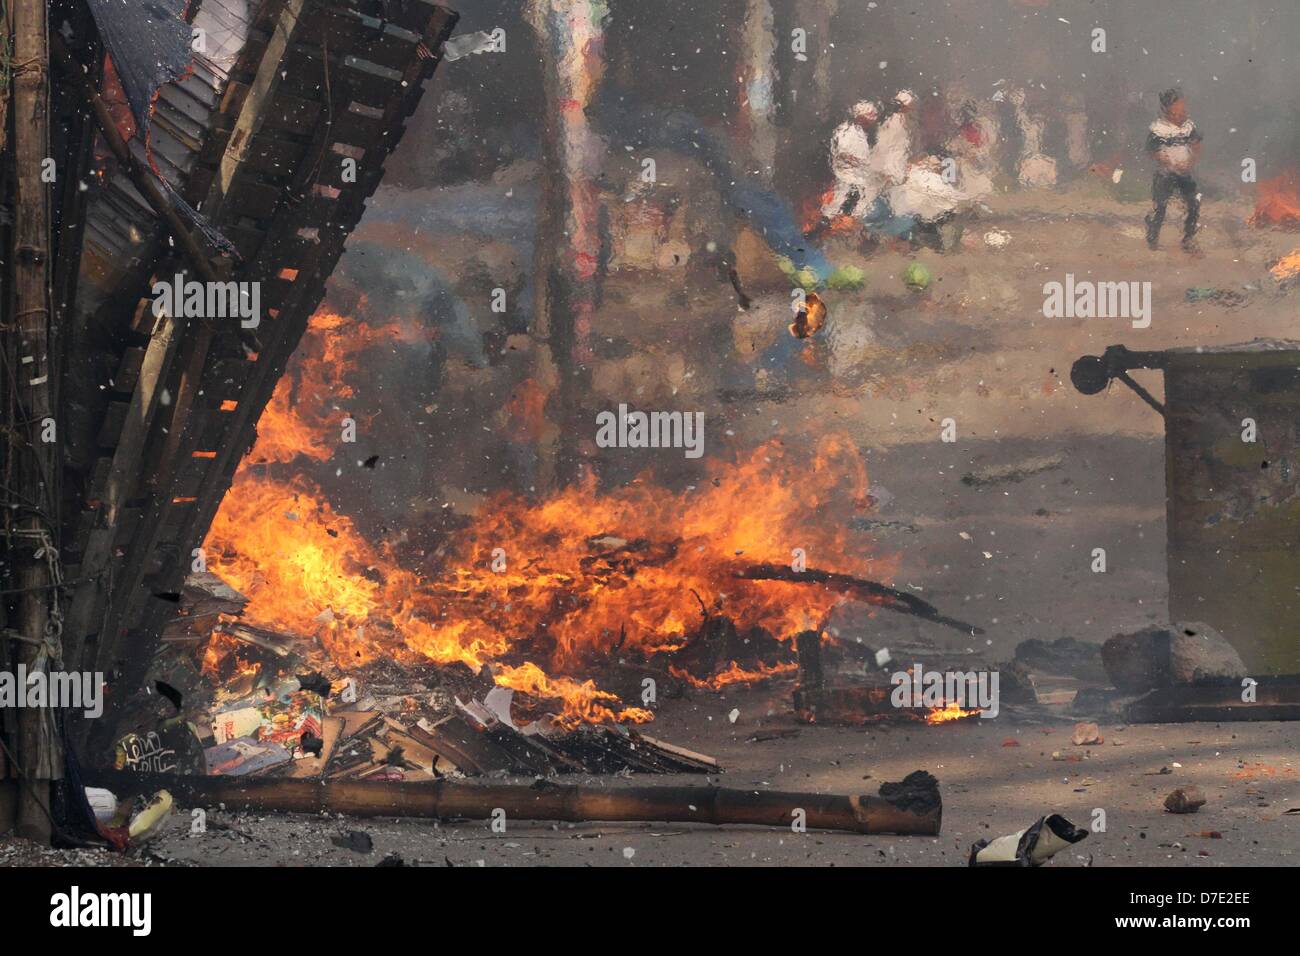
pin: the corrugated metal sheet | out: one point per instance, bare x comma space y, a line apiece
121, 231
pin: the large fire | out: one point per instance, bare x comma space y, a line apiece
540, 590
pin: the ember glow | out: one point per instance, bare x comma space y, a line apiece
587, 573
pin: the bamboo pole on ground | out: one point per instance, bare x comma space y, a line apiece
909, 808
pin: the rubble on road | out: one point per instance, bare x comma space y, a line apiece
1179, 653
1185, 800
1086, 734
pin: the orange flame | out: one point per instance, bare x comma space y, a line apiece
733, 674
586, 573
941, 715
1277, 201
583, 701
1287, 266
307, 408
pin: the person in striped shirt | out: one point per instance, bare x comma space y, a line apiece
1175, 144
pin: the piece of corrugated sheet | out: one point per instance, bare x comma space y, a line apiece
120, 225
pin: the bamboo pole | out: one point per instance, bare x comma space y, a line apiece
32, 458
910, 808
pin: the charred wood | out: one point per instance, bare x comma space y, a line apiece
911, 807
872, 592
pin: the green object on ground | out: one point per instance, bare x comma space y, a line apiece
917, 277
846, 279
805, 278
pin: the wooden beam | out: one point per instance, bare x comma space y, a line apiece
254, 110
123, 478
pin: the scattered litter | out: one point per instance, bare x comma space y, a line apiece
145, 823
102, 803
997, 239
244, 755
468, 44
1031, 847
766, 735
1016, 471
1225, 297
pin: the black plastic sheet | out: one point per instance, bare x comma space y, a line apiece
149, 44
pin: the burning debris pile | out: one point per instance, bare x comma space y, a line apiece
531, 637
541, 590
258, 706
312, 650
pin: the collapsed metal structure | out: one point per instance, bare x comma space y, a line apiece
277, 133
